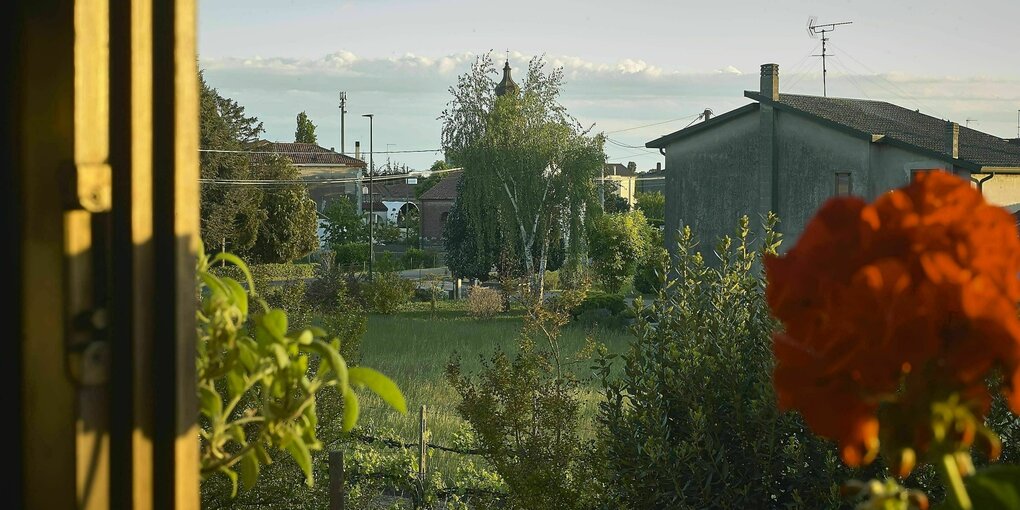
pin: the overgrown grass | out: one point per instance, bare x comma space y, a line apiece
413, 349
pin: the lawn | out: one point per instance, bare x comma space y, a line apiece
414, 348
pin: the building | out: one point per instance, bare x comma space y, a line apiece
330, 174
435, 208
652, 181
789, 153
621, 179
392, 194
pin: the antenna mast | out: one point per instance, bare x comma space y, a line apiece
814, 29
343, 110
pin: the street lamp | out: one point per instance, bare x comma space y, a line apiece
371, 201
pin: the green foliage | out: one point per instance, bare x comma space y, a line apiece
269, 272
342, 224
414, 258
386, 293
305, 132
650, 275
524, 412
259, 379
351, 255
385, 262
529, 169
652, 204
613, 202
273, 224
469, 253
386, 232
618, 241
433, 179
693, 422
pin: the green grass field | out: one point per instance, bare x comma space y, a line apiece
414, 348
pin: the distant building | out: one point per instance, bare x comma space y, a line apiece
621, 179
789, 153
435, 208
330, 174
653, 180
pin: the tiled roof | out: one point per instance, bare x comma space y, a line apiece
393, 189
305, 154
910, 126
445, 189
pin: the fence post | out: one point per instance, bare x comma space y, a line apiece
423, 445
336, 480
457, 288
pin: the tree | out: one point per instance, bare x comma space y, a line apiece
618, 241
305, 132
342, 223
529, 167
433, 179
262, 224
468, 253
653, 204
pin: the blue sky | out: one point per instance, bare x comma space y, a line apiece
627, 64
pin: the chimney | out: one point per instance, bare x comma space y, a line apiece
357, 150
707, 114
632, 166
770, 81
658, 166
953, 139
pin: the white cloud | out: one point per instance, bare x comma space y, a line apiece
407, 92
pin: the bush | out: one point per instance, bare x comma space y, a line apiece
483, 302
414, 258
651, 271
524, 412
269, 272
611, 303
386, 293
385, 262
693, 422
351, 255
552, 280
617, 242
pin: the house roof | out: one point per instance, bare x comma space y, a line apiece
445, 189
305, 154
394, 189
894, 124
618, 169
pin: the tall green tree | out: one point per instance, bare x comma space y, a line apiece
342, 223
305, 132
653, 204
262, 224
529, 167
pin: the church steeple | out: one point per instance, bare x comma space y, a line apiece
507, 86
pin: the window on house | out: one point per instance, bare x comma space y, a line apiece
844, 187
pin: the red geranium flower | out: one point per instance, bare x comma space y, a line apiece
914, 294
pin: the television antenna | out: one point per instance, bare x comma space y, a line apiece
813, 29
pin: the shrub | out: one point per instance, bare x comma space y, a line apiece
386, 293
414, 258
524, 412
552, 280
651, 271
611, 303
351, 255
483, 302
693, 422
617, 242
268, 272
385, 262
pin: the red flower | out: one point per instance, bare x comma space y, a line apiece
913, 294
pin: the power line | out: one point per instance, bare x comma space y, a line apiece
651, 125
320, 153
310, 182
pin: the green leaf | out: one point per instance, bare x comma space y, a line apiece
995, 487
282, 359
249, 467
212, 405
299, 450
232, 475
263, 455
235, 384
305, 338
380, 385
235, 260
239, 295
350, 410
335, 362
275, 323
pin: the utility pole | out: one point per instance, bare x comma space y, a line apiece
371, 190
343, 110
823, 29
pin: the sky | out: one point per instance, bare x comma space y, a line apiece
635, 70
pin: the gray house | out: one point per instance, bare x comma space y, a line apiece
789, 153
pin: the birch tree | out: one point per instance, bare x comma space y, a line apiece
529, 167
